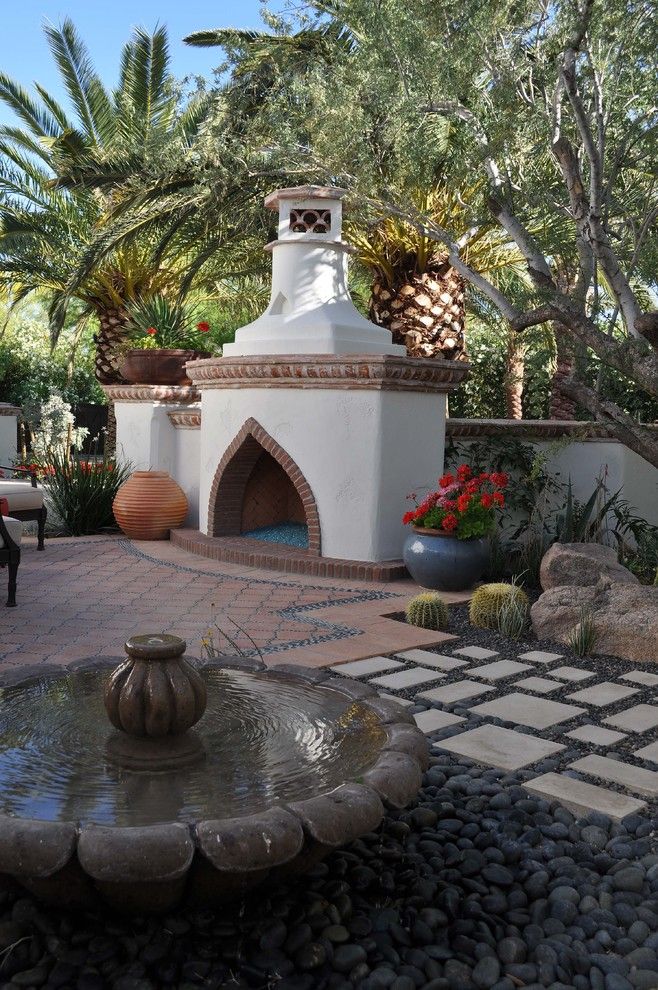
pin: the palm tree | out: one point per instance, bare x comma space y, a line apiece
59, 172
416, 293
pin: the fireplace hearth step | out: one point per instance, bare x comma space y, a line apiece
249, 552
291, 534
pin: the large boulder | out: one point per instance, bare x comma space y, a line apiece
625, 617
582, 564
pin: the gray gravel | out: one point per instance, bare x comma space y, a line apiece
477, 886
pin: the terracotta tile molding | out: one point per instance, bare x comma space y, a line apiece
231, 477
188, 419
537, 428
183, 394
345, 371
278, 557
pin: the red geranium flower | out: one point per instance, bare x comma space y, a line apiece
203, 327
486, 501
450, 522
499, 499
472, 487
500, 479
463, 472
151, 331
463, 502
408, 517
448, 503
446, 480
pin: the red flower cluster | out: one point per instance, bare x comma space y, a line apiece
152, 331
463, 503
203, 327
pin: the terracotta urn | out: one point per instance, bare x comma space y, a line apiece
158, 366
149, 504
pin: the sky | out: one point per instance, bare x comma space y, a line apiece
105, 26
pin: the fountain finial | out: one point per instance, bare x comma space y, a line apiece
154, 697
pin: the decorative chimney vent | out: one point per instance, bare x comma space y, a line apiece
310, 309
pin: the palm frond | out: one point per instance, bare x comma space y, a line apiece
39, 120
86, 91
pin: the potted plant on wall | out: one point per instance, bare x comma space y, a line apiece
161, 337
448, 549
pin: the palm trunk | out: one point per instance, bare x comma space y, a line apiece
424, 312
561, 406
514, 373
109, 337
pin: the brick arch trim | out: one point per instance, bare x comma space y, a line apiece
232, 474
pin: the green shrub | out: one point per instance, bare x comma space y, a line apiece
428, 610
82, 492
489, 599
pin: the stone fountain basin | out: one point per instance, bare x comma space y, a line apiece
155, 867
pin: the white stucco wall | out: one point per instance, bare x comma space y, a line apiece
8, 425
361, 452
584, 461
148, 441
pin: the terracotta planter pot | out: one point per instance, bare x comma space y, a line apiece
148, 505
159, 366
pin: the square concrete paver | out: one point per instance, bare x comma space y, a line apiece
499, 669
476, 652
540, 685
603, 694
405, 702
596, 735
636, 719
580, 797
458, 691
540, 656
632, 778
498, 747
361, 668
641, 677
572, 674
524, 709
407, 678
435, 719
428, 659
649, 752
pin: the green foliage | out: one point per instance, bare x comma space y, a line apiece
158, 322
427, 610
488, 600
582, 638
513, 617
82, 492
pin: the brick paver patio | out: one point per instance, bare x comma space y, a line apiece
83, 597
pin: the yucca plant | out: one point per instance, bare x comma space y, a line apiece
82, 491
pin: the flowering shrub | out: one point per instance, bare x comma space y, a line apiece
464, 504
81, 492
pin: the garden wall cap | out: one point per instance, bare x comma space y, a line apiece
303, 192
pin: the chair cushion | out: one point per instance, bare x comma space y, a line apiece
21, 495
14, 528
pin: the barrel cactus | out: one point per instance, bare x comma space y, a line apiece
429, 611
490, 599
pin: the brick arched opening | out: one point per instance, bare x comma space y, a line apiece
254, 461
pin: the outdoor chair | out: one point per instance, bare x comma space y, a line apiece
11, 531
25, 499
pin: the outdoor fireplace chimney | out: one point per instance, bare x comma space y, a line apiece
310, 309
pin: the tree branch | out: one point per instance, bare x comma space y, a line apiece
618, 423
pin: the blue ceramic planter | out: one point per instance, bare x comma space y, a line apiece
444, 563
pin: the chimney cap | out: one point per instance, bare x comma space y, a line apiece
303, 192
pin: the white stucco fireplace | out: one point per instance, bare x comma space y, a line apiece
312, 422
